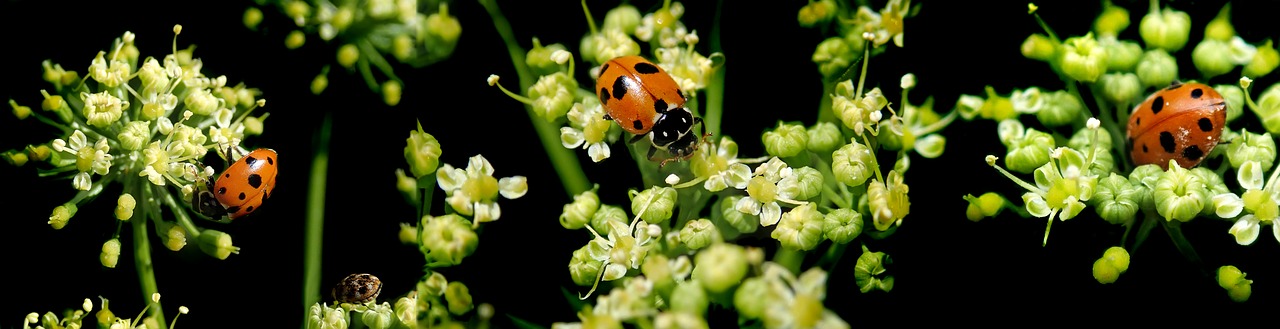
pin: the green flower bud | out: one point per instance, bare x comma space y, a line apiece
1120, 88
61, 215
406, 312
1220, 27
377, 316
1083, 59
20, 111
672, 320
869, 272
1157, 68
1039, 47
751, 297
989, 204
103, 109
817, 12
1234, 97
584, 266
824, 137
216, 244
16, 159
1061, 108
605, 215
441, 32
720, 267
842, 225
1165, 29
319, 83
1268, 109
996, 107
1252, 147
1145, 176
852, 163
408, 187
1028, 152
800, 228
408, 234
124, 206
1116, 199
110, 253
1114, 261
1233, 280
578, 213
422, 151
447, 239
458, 297
391, 91
833, 56
787, 140
348, 54
654, 204
252, 17
104, 316
969, 106
624, 17
888, 201
134, 135
803, 184
173, 236
39, 152
553, 95
1122, 56
1112, 21
539, 58
1179, 194
295, 39
698, 234
402, 47
689, 296
657, 267
1212, 58
1263, 62
742, 222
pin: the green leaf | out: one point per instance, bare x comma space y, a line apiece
524, 324
573, 299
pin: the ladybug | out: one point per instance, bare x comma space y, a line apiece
241, 188
1182, 122
360, 288
642, 98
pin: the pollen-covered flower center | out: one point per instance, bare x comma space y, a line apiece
596, 130
1261, 204
84, 159
806, 310
1064, 188
482, 188
762, 190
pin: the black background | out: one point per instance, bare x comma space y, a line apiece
942, 262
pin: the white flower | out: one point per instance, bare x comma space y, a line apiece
797, 302
1246, 230
763, 193
588, 129
474, 191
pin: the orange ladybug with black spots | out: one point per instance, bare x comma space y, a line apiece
1182, 122
642, 98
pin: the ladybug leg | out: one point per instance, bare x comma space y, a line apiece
652, 150
637, 138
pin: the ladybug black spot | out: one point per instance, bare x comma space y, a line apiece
255, 180
249, 160
1192, 153
620, 87
1157, 105
241, 196
1205, 124
228, 175
1144, 148
604, 96
681, 93
222, 190
271, 161
646, 68
249, 209
1166, 142
1138, 121
233, 209
603, 69
638, 124
607, 117
1196, 93
660, 106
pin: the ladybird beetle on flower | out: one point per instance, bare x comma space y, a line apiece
1182, 122
241, 188
642, 98
357, 288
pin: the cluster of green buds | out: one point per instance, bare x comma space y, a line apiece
1094, 169
866, 30
557, 97
435, 302
472, 195
145, 123
414, 33
103, 318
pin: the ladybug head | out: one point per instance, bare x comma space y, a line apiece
673, 127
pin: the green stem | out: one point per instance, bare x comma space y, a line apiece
824, 106
428, 186
142, 261
715, 102
1174, 228
315, 216
833, 256
790, 259
562, 159
1149, 222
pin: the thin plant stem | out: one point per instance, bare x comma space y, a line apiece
315, 216
142, 261
563, 160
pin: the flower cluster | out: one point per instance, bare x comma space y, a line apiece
435, 301
368, 31
103, 318
1094, 169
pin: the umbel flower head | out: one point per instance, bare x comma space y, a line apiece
145, 123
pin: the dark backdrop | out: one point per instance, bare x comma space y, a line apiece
942, 261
